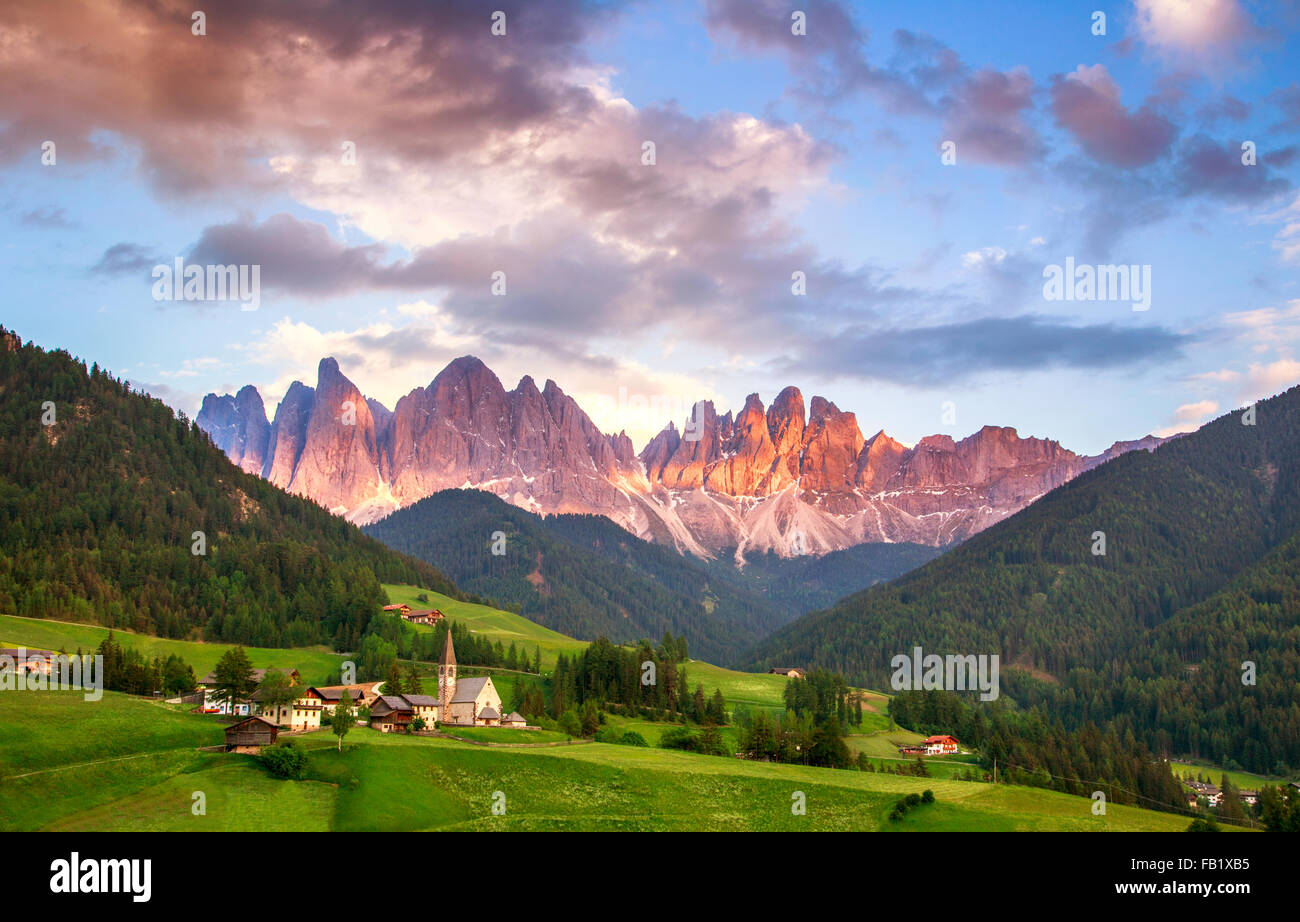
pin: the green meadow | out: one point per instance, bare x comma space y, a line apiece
125, 763
315, 663
132, 763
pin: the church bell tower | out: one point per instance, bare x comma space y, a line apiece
446, 680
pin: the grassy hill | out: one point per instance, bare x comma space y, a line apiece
383, 782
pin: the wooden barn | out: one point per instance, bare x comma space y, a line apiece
250, 735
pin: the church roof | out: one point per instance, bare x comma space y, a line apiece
468, 689
448, 653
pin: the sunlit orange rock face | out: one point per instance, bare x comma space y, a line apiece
778, 478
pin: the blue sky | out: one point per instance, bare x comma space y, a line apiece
775, 153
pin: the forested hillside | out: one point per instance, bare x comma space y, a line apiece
99, 509
580, 575
1152, 635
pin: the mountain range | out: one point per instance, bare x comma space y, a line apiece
784, 479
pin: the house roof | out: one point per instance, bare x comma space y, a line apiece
248, 720
515, 716
468, 689
489, 714
422, 701
335, 692
387, 704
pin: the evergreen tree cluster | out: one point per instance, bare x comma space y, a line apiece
1029, 748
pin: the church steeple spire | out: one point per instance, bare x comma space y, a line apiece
446, 680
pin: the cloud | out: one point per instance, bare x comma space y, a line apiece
47, 217
987, 118
1199, 29
1189, 417
1207, 168
1086, 103
958, 352
124, 259
1267, 379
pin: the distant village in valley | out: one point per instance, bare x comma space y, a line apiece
458, 702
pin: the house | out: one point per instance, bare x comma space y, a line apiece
361, 695
1250, 798
214, 703
391, 714
423, 616
787, 671
941, 745
489, 717
23, 659
395, 713
402, 610
424, 707
250, 735
304, 713
513, 719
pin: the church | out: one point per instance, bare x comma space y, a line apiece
471, 702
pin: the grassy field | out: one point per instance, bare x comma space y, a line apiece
129, 764
1243, 780
315, 663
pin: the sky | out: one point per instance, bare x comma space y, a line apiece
864, 200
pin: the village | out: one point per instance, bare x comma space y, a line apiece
459, 702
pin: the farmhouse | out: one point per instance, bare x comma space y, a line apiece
361, 695
423, 616
21, 659
391, 714
941, 745
304, 713
787, 671
402, 610
932, 746
250, 735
